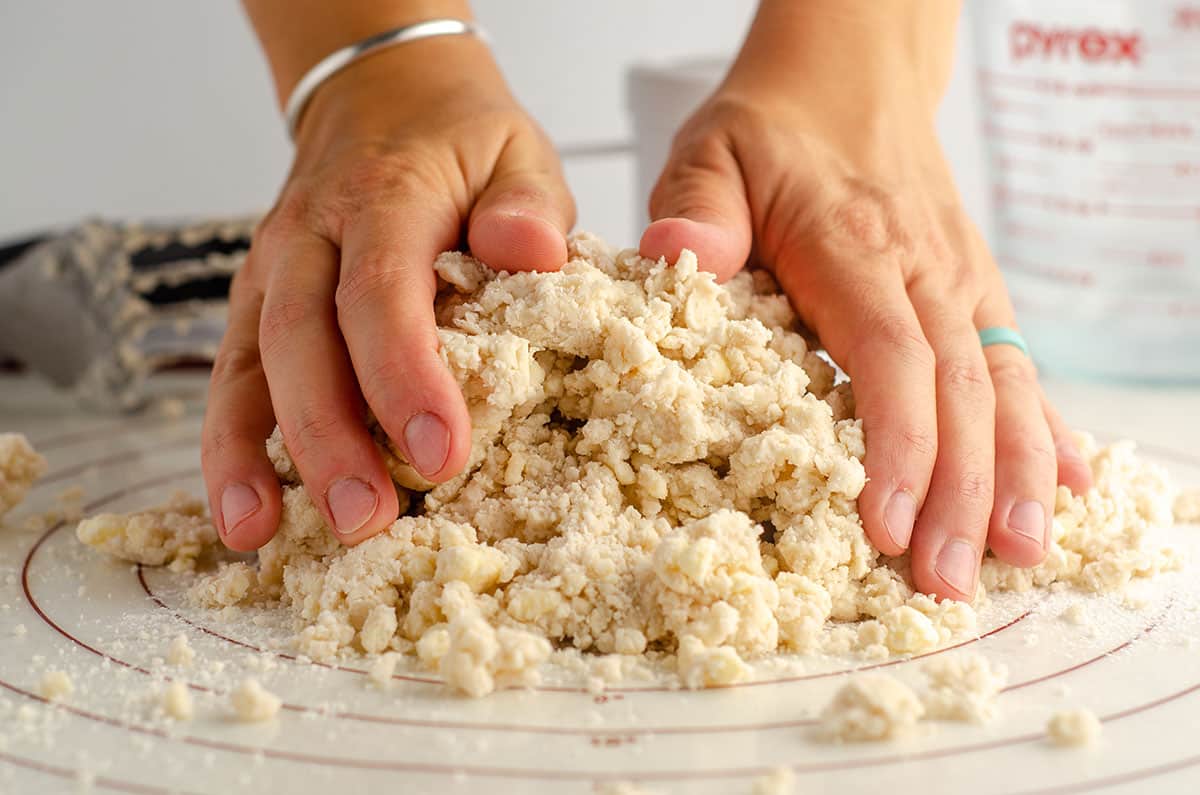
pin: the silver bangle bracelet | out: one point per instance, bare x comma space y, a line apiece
333, 63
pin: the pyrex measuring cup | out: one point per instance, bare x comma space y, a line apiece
1091, 114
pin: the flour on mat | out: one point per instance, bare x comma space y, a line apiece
20, 466
659, 465
1074, 728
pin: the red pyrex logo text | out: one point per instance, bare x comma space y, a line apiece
1030, 40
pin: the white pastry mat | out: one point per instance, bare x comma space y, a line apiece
105, 623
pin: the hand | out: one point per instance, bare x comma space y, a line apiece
333, 310
842, 191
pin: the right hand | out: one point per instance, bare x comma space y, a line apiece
333, 309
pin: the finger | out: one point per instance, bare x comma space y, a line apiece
521, 219
869, 327
1073, 470
385, 309
699, 203
243, 491
1025, 465
313, 390
951, 532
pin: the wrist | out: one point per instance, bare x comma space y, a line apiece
398, 86
850, 56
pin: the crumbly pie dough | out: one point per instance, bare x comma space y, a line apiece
661, 467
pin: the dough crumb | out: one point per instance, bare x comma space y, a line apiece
1187, 507
20, 467
780, 781
962, 687
870, 707
1077, 614
252, 704
55, 685
176, 701
180, 653
382, 670
174, 534
1074, 728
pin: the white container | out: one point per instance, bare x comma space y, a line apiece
661, 96
1091, 119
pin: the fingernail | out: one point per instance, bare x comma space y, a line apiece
428, 443
352, 502
898, 518
238, 503
956, 564
1029, 519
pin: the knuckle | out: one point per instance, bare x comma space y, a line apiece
279, 320
1013, 372
1034, 450
869, 218
367, 281
974, 488
919, 442
311, 430
217, 443
903, 340
385, 381
235, 362
964, 375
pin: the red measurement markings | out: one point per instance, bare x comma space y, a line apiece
1045, 140
1023, 231
1089, 208
1149, 131
1077, 276
1186, 18
1057, 87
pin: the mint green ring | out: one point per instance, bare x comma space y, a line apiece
1002, 335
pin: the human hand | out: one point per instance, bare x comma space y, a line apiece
396, 157
826, 167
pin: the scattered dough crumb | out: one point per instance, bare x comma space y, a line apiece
870, 707
1073, 728
252, 704
180, 653
962, 687
1187, 507
382, 669
174, 534
177, 702
20, 466
1076, 613
780, 781
55, 685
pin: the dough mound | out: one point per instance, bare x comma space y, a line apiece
20, 466
659, 466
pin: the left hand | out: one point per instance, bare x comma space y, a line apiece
845, 195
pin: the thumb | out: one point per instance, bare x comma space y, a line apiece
699, 203
521, 219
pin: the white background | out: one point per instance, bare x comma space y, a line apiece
164, 109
